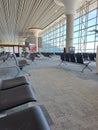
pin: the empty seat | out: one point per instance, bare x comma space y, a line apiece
27, 119
10, 98
67, 57
20, 64
80, 60
31, 56
85, 56
92, 56
62, 57
13, 82
72, 58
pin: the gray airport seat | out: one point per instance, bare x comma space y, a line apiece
13, 82
14, 97
83, 61
20, 64
27, 119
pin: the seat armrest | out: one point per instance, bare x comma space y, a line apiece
14, 82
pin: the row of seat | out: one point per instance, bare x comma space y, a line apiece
76, 58
4, 56
16, 92
17, 63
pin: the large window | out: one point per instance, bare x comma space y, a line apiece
53, 39
85, 38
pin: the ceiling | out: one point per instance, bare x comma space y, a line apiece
17, 16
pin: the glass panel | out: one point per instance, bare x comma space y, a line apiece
90, 46
75, 40
91, 30
76, 28
76, 34
91, 22
76, 21
92, 14
90, 38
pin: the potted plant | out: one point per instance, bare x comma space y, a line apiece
24, 51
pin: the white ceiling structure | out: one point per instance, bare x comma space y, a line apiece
70, 5
17, 16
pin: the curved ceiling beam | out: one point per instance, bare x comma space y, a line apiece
70, 5
35, 31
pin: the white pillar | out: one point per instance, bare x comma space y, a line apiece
69, 31
97, 60
35, 32
70, 8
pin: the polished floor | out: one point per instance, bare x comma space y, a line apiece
69, 96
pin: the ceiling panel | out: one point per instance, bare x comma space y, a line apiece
16, 16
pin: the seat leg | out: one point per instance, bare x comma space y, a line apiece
83, 69
19, 71
89, 68
86, 66
25, 72
62, 62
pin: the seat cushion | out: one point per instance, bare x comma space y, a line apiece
10, 98
14, 82
27, 119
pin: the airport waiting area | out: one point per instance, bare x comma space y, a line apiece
54, 96
49, 65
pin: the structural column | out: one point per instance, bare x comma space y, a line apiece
97, 61
69, 31
35, 32
70, 8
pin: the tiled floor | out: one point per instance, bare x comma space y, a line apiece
69, 96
